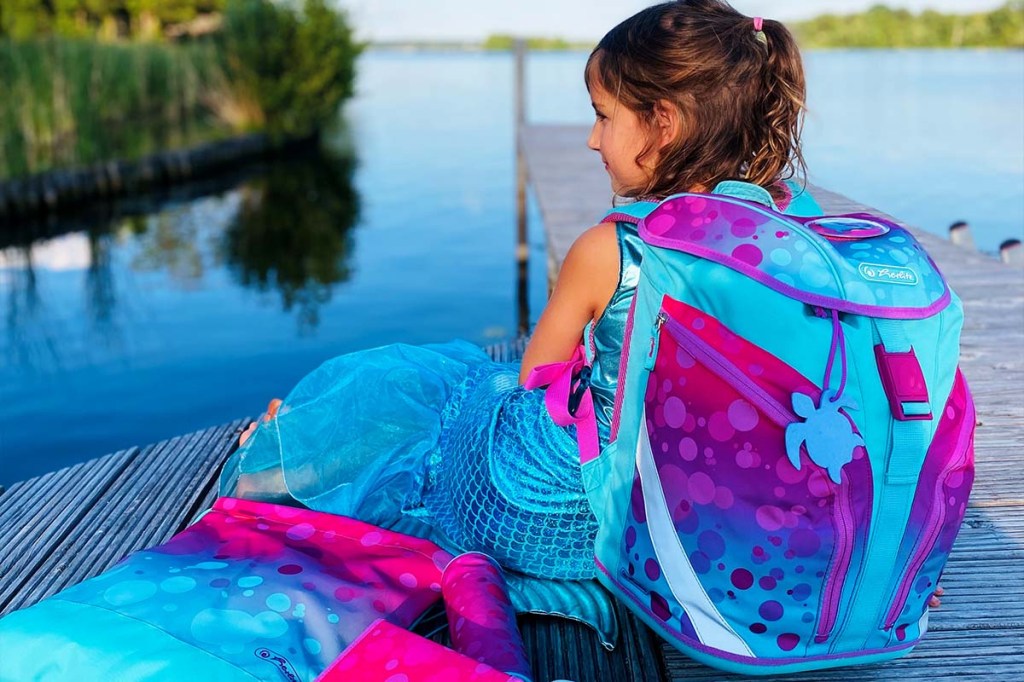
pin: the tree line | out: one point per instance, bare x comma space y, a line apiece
881, 26
107, 19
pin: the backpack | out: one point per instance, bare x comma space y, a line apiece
791, 447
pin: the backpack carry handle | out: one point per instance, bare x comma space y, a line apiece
847, 228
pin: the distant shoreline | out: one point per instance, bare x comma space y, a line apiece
879, 27
431, 46
477, 48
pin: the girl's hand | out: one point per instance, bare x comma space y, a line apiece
934, 601
271, 412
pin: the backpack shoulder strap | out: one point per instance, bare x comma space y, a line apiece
568, 399
618, 217
630, 213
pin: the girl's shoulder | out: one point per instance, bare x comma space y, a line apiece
594, 256
595, 245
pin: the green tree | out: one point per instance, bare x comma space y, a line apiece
499, 41
503, 41
145, 19
24, 18
292, 69
881, 26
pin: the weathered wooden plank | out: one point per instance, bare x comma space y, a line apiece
561, 649
39, 516
163, 488
569, 183
511, 351
45, 496
145, 503
210, 493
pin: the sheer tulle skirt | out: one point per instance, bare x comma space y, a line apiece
440, 434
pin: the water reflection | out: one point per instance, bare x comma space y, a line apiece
100, 287
83, 284
19, 285
293, 232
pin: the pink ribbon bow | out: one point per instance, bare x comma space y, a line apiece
569, 381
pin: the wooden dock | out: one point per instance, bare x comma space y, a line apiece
64, 527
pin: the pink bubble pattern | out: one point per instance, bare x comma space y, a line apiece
765, 558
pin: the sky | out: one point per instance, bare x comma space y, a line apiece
584, 20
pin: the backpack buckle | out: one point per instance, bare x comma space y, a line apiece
581, 386
904, 384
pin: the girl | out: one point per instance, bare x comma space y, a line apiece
689, 96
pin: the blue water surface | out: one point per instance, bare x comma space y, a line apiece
150, 320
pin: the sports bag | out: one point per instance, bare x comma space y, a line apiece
258, 591
791, 447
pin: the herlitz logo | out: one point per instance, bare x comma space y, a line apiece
280, 662
891, 274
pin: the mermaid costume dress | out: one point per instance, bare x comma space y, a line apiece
442, 442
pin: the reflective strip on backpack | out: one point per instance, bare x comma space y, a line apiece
711, 627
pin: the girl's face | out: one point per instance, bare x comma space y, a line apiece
619, 136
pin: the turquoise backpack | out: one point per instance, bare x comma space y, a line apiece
791, 447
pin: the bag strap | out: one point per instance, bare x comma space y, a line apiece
621, 217
568, 398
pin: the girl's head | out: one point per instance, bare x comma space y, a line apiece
689, 93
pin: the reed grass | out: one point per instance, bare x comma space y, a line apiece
66, 102
280, 67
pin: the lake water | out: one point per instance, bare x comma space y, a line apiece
137, 321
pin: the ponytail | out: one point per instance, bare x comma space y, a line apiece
739, 91
778, 154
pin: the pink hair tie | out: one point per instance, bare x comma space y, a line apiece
759, 32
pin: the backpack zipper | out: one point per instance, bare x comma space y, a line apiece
724, 368
936, 519
839, 566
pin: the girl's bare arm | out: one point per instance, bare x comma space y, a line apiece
585, 283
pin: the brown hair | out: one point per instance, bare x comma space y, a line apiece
740, 95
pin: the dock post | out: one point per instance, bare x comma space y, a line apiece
1011, 252
960, 234
522, 246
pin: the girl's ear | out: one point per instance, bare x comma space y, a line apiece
668, 122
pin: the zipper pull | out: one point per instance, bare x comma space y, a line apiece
652, 354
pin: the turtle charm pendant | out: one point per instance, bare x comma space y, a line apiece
827, 434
